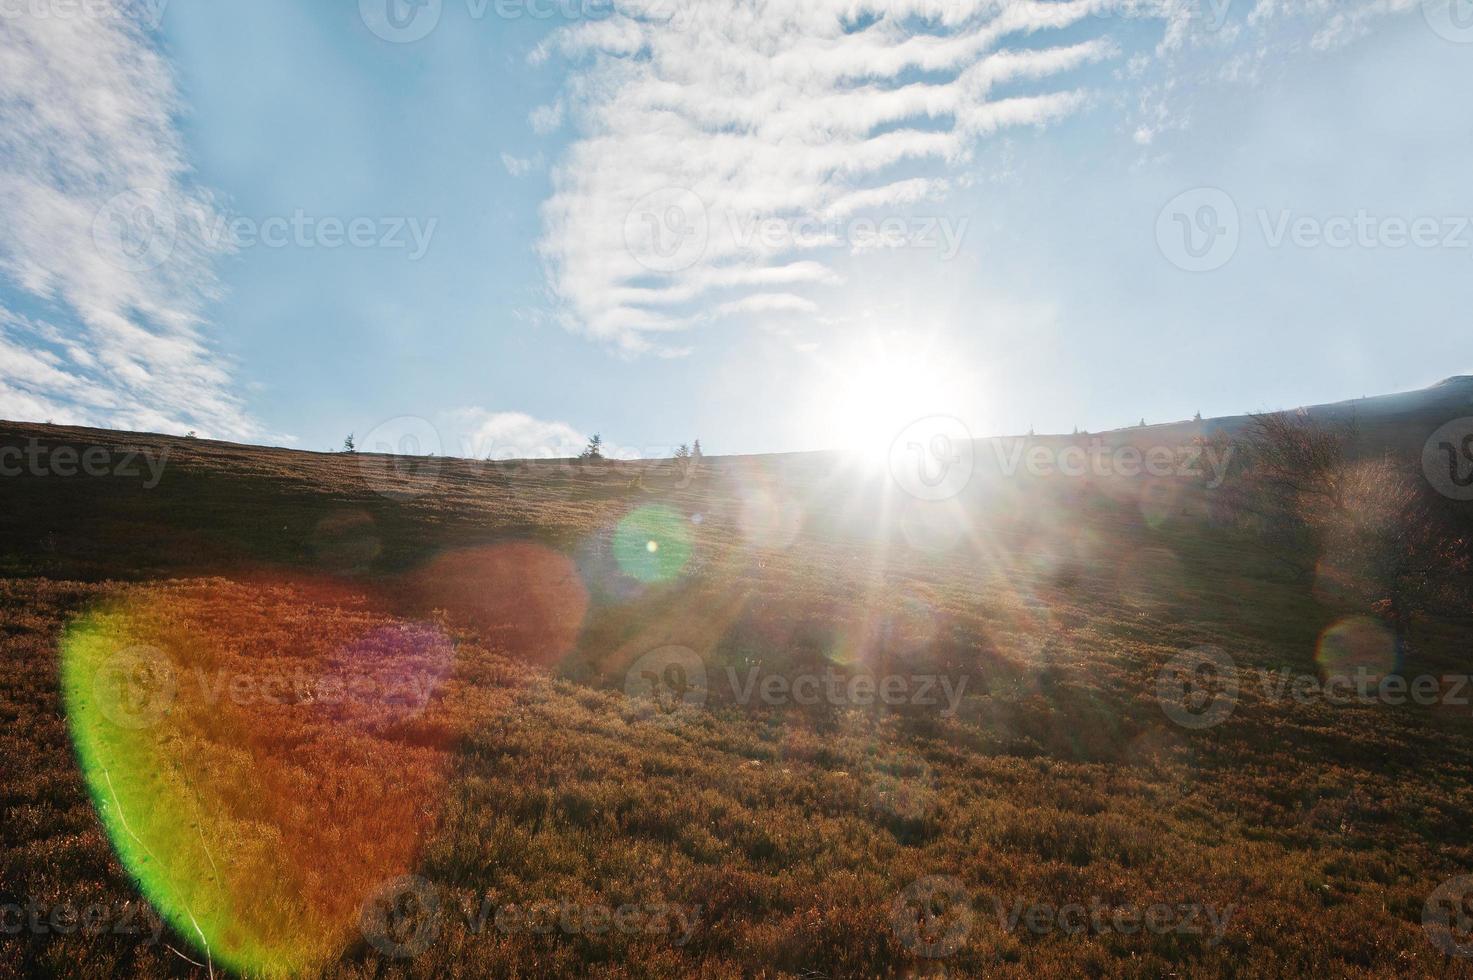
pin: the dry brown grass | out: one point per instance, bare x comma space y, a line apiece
793, 829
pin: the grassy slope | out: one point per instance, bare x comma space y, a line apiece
794, 829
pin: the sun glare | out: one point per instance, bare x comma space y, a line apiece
875, 397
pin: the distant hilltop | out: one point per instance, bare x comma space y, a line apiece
1398, 423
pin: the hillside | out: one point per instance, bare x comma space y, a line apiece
1397, 423
583, 687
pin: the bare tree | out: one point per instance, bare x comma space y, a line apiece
1368, 530
1288, 476
1297, 458
1388, 547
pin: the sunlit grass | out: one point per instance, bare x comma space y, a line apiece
530, 775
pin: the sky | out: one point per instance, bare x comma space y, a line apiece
495, 227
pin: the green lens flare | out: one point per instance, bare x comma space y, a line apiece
126, 724
254, 758
652, 544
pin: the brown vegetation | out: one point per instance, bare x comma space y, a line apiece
791, 830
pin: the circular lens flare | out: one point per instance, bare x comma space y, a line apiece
653, 544
1358, 647
260, 758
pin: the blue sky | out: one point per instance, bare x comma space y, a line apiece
1033, 161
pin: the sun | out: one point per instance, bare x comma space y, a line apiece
874, 395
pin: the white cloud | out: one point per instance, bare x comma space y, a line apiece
692, 125
475, 433
1331, 22
87, 110
693, 120
1209, 44
546, 119
520, 167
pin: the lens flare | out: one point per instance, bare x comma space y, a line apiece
904, 786
769, 519
527, 599
936, 526
653, 544
1160, 502
1152, 579
261, 759
346, 542
1358, 645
